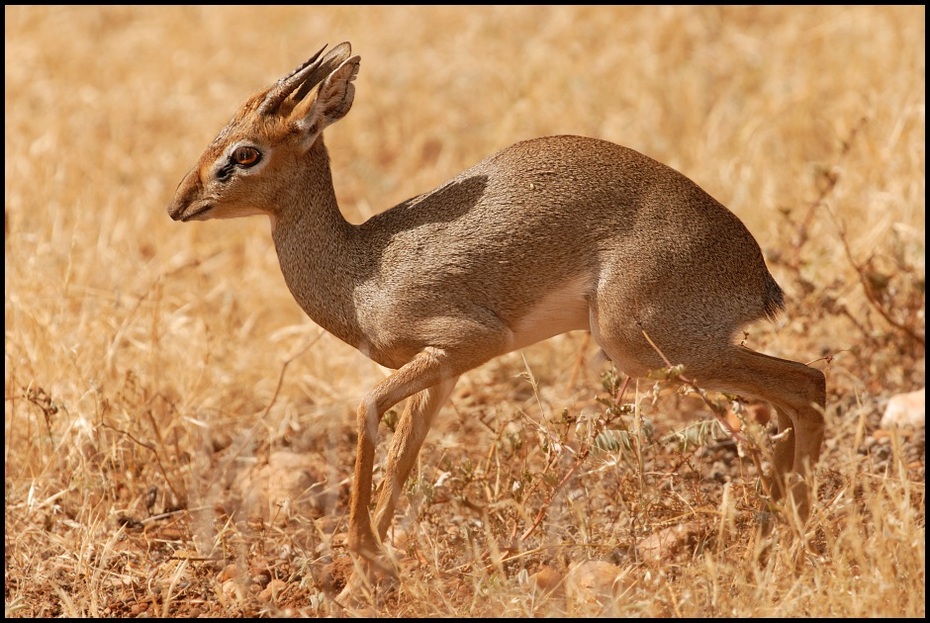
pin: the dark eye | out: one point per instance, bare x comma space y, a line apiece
246, 156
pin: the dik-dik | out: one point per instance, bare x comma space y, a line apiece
549, 235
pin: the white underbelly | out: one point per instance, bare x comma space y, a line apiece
563, 309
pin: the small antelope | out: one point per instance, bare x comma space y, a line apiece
549, 235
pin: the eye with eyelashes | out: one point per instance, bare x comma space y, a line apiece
244, 156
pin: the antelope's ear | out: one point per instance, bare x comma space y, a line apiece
327, 102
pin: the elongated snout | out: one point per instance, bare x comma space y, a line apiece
188, 202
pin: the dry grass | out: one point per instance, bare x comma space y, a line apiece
143, 358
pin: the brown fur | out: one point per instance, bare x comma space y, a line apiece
546, 236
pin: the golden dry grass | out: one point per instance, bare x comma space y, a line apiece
145, 376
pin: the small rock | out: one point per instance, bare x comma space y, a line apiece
663, 545
232, 589
288, 482
546, 579
270, 593
229, 572
906, 410
591, 587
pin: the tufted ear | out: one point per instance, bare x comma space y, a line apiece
327, 102
282, 97
284, 89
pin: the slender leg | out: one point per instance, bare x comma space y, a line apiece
420, 373
808, 435
408, 439
784, 455
797, 392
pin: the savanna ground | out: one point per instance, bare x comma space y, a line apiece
179, 437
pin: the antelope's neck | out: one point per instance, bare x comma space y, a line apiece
317, 249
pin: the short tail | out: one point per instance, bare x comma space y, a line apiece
774, 301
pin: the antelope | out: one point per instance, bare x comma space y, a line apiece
549, 235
